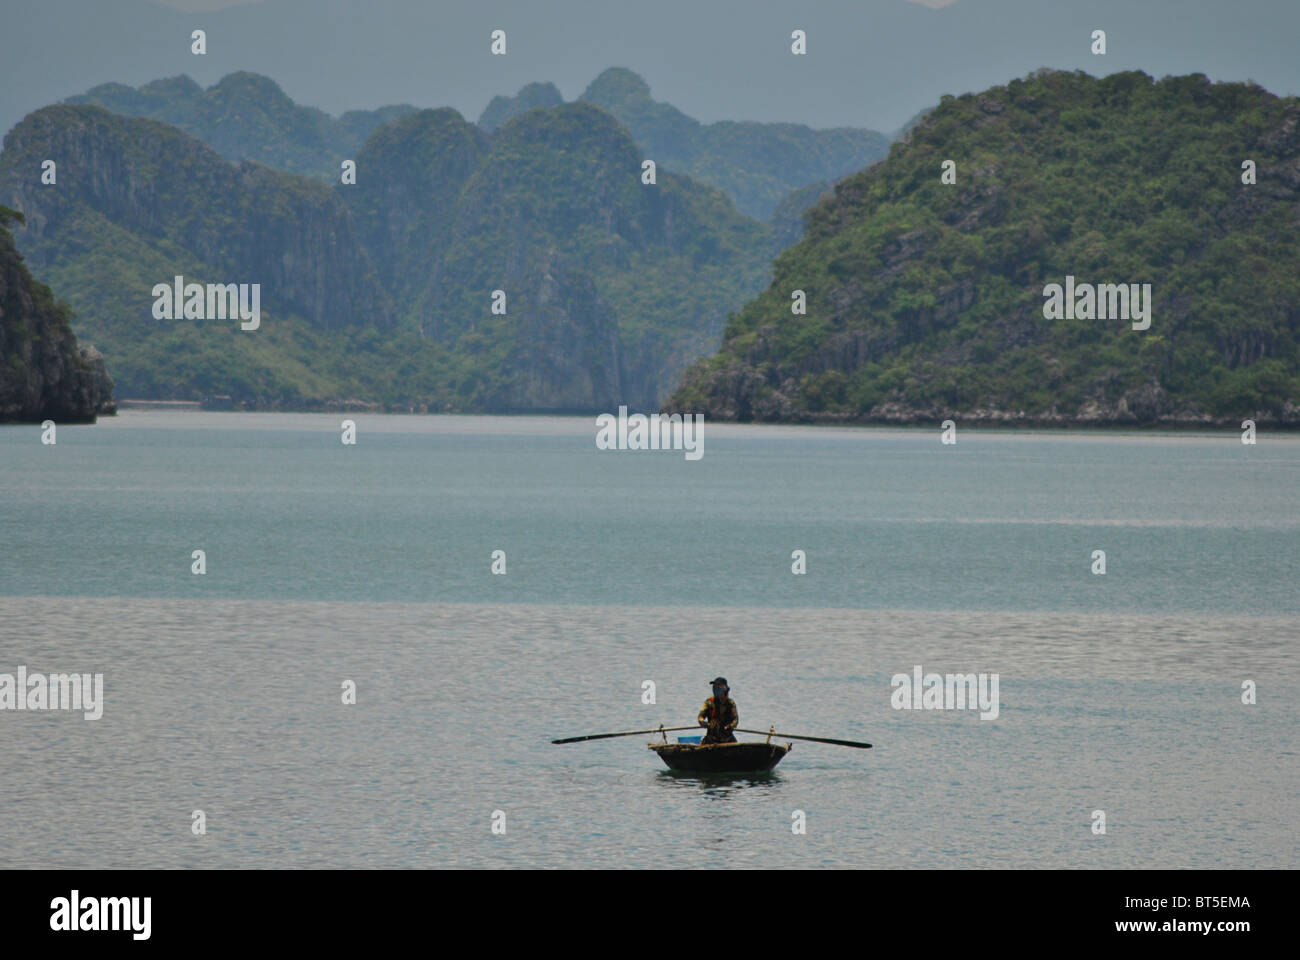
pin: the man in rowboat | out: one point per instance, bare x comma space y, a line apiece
719, 714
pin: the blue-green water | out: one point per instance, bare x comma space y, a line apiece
372, 563
413, 512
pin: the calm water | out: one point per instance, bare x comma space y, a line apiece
372, 563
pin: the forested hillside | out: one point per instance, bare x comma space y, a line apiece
927, 299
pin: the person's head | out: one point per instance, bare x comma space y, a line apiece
720, 688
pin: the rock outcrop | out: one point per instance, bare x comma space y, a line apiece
44, 372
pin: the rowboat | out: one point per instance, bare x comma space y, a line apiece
744, 757
688, 754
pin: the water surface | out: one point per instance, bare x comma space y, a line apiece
372, 564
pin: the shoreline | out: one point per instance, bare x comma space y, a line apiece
985, 425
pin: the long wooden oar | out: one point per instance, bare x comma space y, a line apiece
629, 733
791, 736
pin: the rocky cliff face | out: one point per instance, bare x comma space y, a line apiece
412, 172
384, 288
566, 356
44, 373
168, 193
612, 286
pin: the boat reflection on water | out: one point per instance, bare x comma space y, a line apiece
720, 785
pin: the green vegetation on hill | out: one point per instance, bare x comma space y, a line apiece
137, 202
925, 300
612, 286
382, 290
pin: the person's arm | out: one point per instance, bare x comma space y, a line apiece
735, 717
703, 718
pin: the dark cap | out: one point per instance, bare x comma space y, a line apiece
719, 682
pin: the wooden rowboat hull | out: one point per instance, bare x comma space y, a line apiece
721, 757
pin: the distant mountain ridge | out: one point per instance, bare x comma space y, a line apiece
247, 116
870, 63
759, 164
533, 95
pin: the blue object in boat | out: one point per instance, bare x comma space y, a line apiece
695, 739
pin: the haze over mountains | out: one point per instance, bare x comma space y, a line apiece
871, 64
758, 164
382, 290
521, 263
246, 116
924, 298
613, 286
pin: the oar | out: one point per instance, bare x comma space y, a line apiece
791, 736
629, 733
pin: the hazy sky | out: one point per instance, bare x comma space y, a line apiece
870, 63
199, 5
